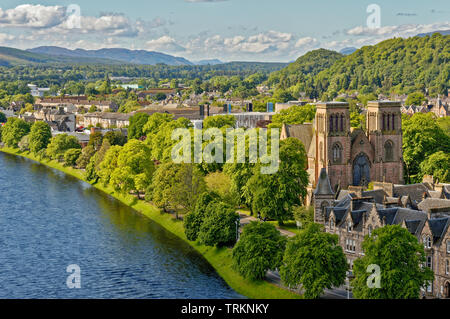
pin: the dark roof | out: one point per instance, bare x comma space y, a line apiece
438, 227
412, 225
415, 191
323, 185
378, 195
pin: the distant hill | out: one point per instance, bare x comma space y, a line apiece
123, 55
443, 32
396, 65
304, 68
208, 62
13, 57
347, 51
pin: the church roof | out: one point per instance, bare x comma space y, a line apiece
323, 185
303, 132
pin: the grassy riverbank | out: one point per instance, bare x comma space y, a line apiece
219, 258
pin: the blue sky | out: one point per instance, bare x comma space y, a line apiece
251, 30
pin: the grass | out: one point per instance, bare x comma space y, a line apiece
219, 258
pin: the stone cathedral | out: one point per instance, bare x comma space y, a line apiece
352, 157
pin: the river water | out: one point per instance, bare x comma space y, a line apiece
49, 220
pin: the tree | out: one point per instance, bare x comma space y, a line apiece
85, 156
134, 169
220, 121
304, 215
422, 137
219, 227
295, 114
177, 185
136, 127
260, 248
92, 109
129, 106
24, 144
60, 144
194, 219
2, 118
96, 140
109, 164
437, 165
115, 138
416, 98
14, 130
40, 136
71, 156
274, 195
314, 260
400, 258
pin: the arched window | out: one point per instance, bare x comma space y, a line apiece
342, 122
427, 242
337, 153
383, 123
389, 151
336, 126
349, 226
393, 122
388, 122
447, 267
331, 123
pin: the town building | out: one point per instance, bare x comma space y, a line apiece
352, 157
423, 209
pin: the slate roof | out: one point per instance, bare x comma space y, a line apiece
438, 227
415, 191
303, 132
323, 185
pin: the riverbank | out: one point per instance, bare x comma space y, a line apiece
219, 258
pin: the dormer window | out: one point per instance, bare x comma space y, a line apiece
349, 226
427, 242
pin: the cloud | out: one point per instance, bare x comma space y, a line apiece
5, 38
404, 30
165, 44
306, 42
32, 16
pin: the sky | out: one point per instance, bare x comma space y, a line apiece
229, 30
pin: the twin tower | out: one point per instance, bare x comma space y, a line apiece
357, 156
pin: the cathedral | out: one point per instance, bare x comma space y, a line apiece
352, 157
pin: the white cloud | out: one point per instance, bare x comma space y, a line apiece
32, 16
404, 30
306, 42
165, 44
5, 38
197, 1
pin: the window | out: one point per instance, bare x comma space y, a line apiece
447, 266
342, 122
350, 245
337, 153
389, 151
430, 262
349, 226
331, 123
393, 122
332, 224
448, 246
427, 242
370, 230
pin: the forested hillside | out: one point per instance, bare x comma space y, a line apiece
396, 65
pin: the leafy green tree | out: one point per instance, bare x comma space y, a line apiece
129, 106
115, 138
400, 257
416, 98
259, 249
137, 123
437, 165
40, 136
109, 164
92, 109
59, 144
422, 137
96, 140
194, 219
71, 156
295, 114
274, 195
304, 215
220, 121
177, 186
85, 157
315, 261
14, 130
134, 169
24, 144
219, 227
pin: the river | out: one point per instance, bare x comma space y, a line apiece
49, 220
